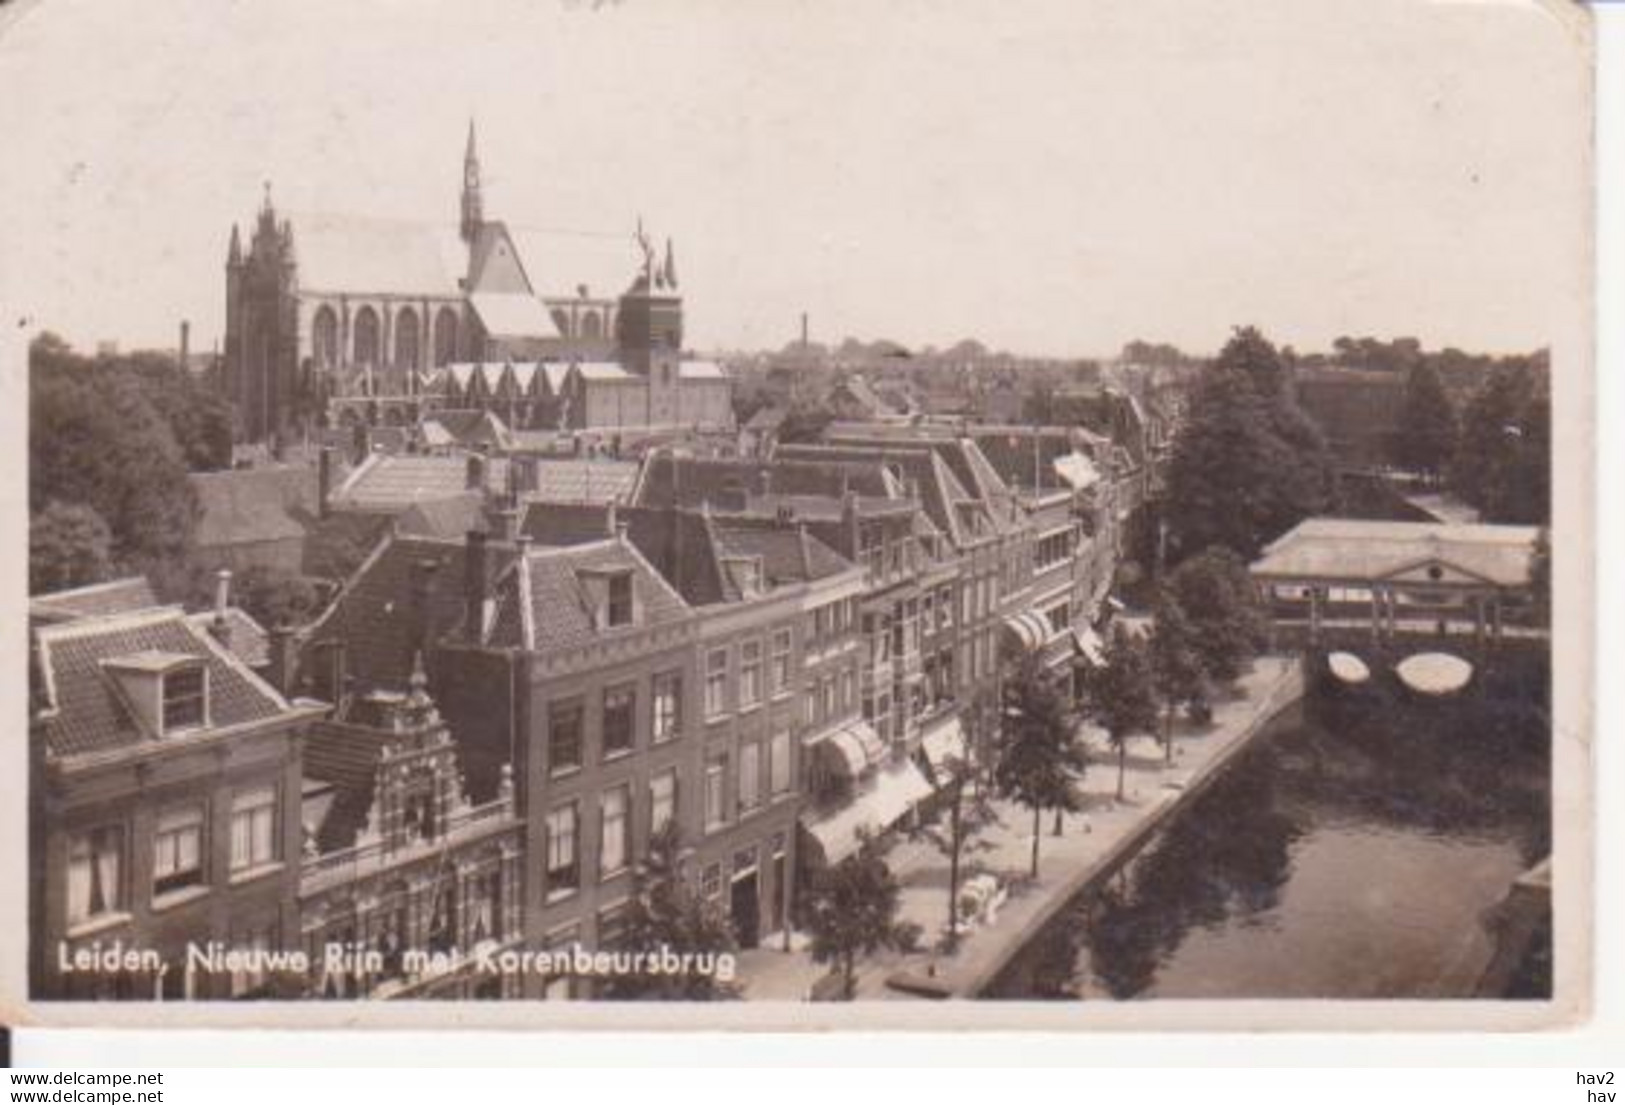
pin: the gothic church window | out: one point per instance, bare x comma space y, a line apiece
325, 338
406, 338
445, 337
366, 336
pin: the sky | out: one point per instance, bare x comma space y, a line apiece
1053, 178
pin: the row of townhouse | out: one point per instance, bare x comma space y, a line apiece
470, 753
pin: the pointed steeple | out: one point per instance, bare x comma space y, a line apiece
473, 202
234, 252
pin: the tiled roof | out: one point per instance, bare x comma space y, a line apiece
389, 483
248, 640
583, 481
450, 518
560, 617
347, 757
376, 616
336, 545
114, 597
349, 253
788, 553
253, 504
513, 315
91, 714
690, 481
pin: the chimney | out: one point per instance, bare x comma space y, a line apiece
324, 479
186, 344
474, 476
612, 519
474, 586
219, 627
502, 518
280, 672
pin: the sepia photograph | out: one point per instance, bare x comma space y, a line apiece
929, 514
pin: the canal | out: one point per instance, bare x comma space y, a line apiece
1351, 853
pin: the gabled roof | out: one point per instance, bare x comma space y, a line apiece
560, 615
388, 483
449, 518
93, 600
249, 505
90, 713
513, 315
788, 553
248, 640
357, 254
1343, 548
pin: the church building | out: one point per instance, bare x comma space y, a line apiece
345, 320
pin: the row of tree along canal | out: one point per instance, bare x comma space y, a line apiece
1355, 851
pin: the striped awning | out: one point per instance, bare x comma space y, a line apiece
856, 745
1030, 628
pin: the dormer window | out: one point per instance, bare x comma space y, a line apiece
185, 699
167, 691
745, 572
618, 611
611, 597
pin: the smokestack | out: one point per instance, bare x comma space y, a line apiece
219, 627
474, 586
324, 480
186, 345
804, 342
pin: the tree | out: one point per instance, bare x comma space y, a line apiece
852, 911
1249, 464
68, 546
1427, 424
666, 912
966, 814
1175, 664
1041, 759
275, 597
1502, 462
1218, 599
804, 424
1123, 695
94, 439
199, 418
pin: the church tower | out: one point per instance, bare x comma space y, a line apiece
473, 203
649, 333
262, 375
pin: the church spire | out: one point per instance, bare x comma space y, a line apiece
473, 203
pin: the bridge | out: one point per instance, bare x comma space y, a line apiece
1383, 592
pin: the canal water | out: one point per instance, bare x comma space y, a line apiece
1351, 853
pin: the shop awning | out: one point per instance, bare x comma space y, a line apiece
943, 743
856, 745
878, 805
1030, 628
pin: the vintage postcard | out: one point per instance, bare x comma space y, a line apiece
679, 514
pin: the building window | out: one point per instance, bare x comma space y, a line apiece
668, 705
750, 673
716, 790
849, 681
613, 852
620, 710
253, 828
827, 692
716, 682
95, 873
564, 737
563, 862
778, 672
778, 764
485, 906
1060, 617
711, 881
177, 849
183, 699
619, 608
662, 801
750, 777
